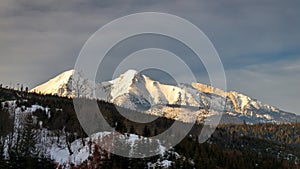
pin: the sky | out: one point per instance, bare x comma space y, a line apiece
258, 41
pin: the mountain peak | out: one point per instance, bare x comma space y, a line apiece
56, 84
66, 74
131, 72
138, 92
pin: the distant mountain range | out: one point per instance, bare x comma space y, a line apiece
136, 91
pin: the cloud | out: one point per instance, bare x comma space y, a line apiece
275, 83
258, 40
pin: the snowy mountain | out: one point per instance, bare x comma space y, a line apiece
64, 84
59, 85
136, 91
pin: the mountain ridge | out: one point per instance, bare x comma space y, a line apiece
137, 91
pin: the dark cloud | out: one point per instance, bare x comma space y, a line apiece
258, 40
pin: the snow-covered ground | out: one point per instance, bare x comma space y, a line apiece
60, 153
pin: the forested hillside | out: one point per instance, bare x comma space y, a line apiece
27, 120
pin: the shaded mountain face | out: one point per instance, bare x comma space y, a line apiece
138, 92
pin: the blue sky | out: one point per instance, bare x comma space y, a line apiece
258, 40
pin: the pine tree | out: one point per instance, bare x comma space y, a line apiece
21, 89
132, 130
146, 132
29, 138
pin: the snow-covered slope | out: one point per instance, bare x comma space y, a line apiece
68, 84
61, 155
136, 91
52, 143
59, 85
